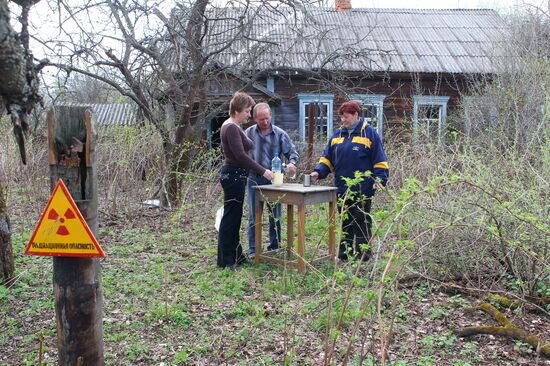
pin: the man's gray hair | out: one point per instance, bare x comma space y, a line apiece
259, 107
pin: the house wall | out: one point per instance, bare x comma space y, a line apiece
399, 90
398, 104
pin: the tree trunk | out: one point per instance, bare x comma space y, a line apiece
12, 61
179, 157
18, 74
177, 162
172, 175
191, 99
7, 265
12, 82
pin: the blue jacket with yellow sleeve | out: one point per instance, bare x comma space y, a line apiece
361, 150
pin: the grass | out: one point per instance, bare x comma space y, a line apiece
166, 302
158, 291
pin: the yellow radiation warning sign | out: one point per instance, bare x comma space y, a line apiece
62, 231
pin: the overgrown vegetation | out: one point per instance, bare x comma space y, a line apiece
450, 214
455, 225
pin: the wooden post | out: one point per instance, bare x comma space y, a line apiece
301, 236
76, 281
310, 135
289, 230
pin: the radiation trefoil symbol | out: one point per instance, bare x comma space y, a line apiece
62, 229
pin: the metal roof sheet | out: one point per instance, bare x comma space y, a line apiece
428, 40
113, 114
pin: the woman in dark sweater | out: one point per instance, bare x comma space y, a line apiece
234, 172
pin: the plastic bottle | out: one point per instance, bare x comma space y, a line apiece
276, 168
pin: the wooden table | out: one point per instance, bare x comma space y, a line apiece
294, 194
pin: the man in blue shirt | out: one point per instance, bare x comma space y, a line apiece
269, 140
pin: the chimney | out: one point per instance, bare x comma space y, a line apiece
343, 5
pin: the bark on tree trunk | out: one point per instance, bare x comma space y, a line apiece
12, 82
12, 61
7, 265
175, 166
171, 176
179, 157
18, 73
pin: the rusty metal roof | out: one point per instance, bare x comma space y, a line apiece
376, 40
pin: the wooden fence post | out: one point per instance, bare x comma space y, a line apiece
76, 281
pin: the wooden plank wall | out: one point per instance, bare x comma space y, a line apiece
398, 105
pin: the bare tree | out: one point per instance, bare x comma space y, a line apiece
18, 76
171, 60
84, 89
511, 109
140, 70
18, 95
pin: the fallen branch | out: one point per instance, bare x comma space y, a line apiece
541, 301
529, 303
507, 329
534, 304
504, 301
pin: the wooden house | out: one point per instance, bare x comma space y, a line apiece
406, 67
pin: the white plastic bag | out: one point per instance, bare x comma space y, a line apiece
219, 215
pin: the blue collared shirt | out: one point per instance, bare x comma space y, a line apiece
267, 146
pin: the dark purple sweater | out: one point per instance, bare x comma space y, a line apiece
235, 148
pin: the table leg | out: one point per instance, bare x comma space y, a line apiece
289, 230
301, 237
331, 226
258, 210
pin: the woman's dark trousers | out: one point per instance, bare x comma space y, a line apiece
356, 228
233, 181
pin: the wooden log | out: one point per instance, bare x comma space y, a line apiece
77, 281
534, 304
506, 329
504, 301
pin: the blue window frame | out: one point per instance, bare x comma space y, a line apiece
372, 106
429, 118
324, 109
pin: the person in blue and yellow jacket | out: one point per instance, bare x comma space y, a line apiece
356, 146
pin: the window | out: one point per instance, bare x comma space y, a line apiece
479, 112
427, 127
322, 119
372, 109
369, 112
429, 118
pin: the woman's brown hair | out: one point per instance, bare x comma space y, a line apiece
240, 102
